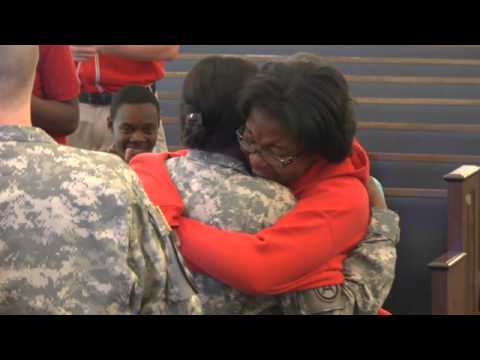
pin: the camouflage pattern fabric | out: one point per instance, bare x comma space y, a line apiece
79, 235
219, 191
369, 273
370, 267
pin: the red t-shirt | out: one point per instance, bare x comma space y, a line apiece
305, 249
56, 78
111, 73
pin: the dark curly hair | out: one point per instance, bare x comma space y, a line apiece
310, 100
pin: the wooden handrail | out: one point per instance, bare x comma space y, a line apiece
400, 126
458, 46
447, 260
416, 101
415, 192
344, 59
432, 158
403, 126
462, 173
173, 95
390, 79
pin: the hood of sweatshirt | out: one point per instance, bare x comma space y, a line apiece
357, 165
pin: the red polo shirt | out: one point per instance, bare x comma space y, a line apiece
56, 78
109, 73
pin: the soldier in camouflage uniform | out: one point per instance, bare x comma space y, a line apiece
218, 189
78, 235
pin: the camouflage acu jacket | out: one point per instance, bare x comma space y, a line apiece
369, 272
219, 191
79, 236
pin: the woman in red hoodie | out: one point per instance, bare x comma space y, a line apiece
299, 132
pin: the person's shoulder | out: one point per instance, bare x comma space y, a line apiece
343, 186
101, 165
260, 183
155, 159
182, 164
272, 191
265, 200
73, 155
343, 192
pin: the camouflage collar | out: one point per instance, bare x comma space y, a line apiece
217, 159
24, 134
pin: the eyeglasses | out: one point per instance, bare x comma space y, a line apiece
252, 147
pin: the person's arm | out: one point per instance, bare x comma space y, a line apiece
165, 282
59, 118
57, 111
375, 194
278, 258
283, 257
157, 183
134, 52
141, 52
370, 268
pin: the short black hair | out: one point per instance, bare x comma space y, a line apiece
310, 100
211, 90
133, 94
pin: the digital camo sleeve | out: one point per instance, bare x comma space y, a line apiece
165, 288
370, 268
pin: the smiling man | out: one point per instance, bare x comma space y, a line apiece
103, 70
134, 121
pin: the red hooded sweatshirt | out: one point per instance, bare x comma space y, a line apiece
305, 249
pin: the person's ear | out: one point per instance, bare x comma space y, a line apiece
110, 124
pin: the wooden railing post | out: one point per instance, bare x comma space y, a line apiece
449, 293
463, 228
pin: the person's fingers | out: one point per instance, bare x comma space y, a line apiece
375, 194
129, 154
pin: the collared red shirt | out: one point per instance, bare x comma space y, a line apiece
55, 77
109, 73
